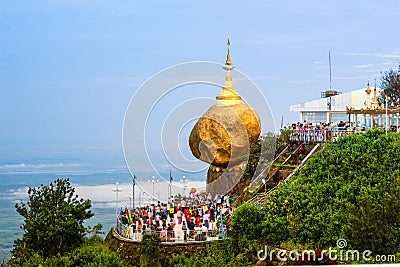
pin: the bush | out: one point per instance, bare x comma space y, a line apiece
96, 255
246, 222
226, 253
151, 256
180, 261
348, 190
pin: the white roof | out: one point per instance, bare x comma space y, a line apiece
356, 99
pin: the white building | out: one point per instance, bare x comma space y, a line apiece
318, 110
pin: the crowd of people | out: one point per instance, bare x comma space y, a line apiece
319, 132
184, 219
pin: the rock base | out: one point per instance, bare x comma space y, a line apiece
221, 180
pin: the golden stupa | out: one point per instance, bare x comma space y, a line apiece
223, 135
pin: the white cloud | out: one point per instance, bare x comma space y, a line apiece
363, 66
103, 196
380, 55
104, 193
37, 166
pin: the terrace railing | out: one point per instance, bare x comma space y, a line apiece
175, 235
319, 136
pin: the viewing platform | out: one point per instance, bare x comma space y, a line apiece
319, 135
322, 136
178, 234
175, 236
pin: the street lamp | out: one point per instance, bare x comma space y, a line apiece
153, 181
140, 199
130, 200
170, 186
133, 190
184, 181
116, 189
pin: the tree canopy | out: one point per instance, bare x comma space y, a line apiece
390, 83
53, 221
349, 190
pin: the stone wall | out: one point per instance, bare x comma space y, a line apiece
130, 250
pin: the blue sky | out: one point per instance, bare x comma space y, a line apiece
68, 69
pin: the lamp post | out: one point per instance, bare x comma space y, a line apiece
170, 186
130, 200
397, 122
222, 225
153, 181
116, 189
184, 181
133, 191
140, 199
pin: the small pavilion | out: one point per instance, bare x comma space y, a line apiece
375, 114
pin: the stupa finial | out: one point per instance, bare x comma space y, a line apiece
368, 91
375, 104
228, 61
228, 95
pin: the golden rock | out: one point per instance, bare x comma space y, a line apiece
224, 133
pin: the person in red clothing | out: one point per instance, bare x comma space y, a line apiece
188, 217
186, 212
197, 220
145, 216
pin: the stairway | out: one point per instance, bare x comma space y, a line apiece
283, 168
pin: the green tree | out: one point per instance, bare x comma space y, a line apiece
53, 221
347, 190
151, 256
373, 221
390, 82
93, 255
253, 158
260, 156
94, 234
225, 253
246, 222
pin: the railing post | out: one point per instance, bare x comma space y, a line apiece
222, 225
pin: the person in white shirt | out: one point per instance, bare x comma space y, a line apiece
226, 200
204, 231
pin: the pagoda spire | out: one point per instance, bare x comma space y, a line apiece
375, 104
368, 91
228, 95
228, 61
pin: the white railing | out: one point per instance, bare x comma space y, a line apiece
127, 231
318, 136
